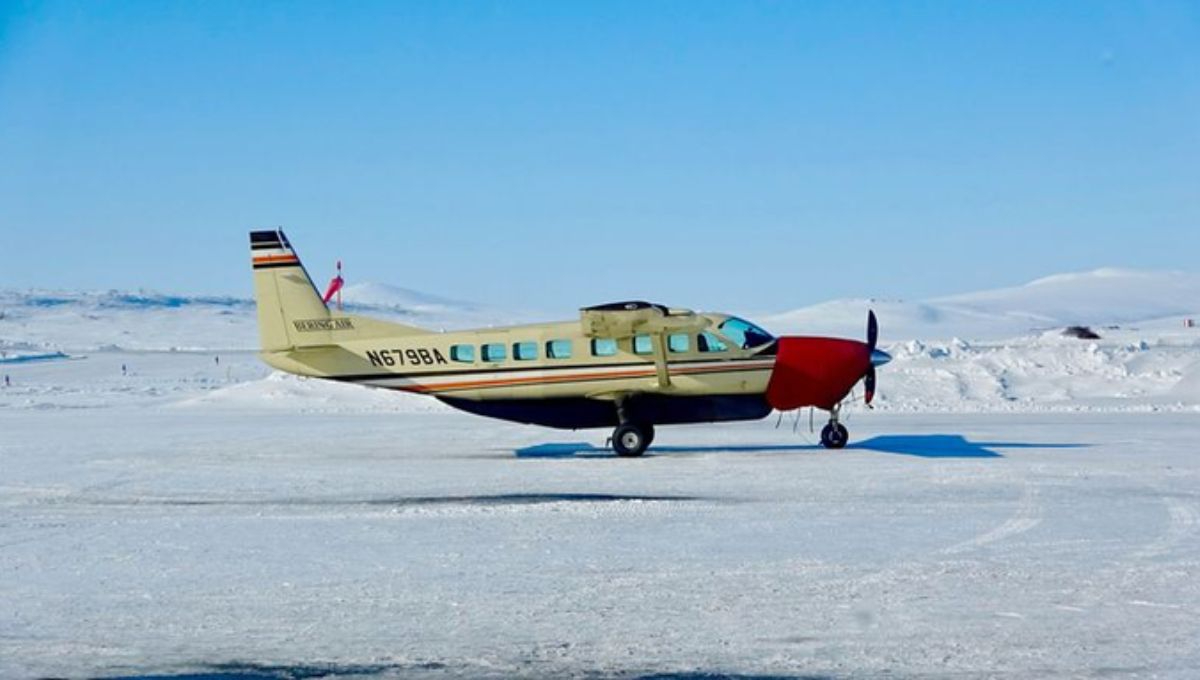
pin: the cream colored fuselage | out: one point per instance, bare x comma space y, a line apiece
438, 364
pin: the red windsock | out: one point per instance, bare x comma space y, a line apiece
335, 284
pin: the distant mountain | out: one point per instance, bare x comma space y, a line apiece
111, 299
385, 295
1103, 296
81, 321
1098, 298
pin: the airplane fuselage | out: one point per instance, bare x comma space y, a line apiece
565, 376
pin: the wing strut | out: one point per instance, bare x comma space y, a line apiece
659, 342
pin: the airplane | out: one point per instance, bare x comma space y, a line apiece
629, 365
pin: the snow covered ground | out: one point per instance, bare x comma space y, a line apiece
194, 537
1021, 504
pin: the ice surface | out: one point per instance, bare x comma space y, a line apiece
145, 539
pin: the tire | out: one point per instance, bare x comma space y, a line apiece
631, 440
834, 436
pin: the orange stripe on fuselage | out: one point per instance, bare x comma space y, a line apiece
573, 377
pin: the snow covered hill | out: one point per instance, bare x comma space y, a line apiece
36, 321
1103, 297
385, 295
88, 321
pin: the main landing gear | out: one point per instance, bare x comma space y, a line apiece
631, 438
834, 435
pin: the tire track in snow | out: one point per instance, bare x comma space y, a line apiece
1182, 520
1027, 516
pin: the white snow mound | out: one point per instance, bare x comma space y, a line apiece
292, 393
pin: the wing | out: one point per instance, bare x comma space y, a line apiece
619, 320
627, 319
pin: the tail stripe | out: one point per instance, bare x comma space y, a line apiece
287, 258
270, 249
265, 237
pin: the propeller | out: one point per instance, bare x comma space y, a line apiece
878, 357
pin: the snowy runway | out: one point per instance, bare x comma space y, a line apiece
205, 537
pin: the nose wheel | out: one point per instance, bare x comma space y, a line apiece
834, 435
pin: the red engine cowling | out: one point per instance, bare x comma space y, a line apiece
816, 372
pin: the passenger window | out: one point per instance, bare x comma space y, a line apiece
603, 347
707, 342
558, 349
678, 342
524, 351
642, 344
463, 353
493, 351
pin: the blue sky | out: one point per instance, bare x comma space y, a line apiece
739, 156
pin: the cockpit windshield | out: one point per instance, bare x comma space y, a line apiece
744, 334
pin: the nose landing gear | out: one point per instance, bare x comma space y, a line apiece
834, 435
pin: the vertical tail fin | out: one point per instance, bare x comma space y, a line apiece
287, 299
291, 313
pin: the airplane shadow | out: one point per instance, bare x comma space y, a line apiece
918, 445
947, 446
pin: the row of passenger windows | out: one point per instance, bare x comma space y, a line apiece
600, 347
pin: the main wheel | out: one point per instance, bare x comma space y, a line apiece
834, 436
631, 440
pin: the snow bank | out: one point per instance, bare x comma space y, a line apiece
281, 391
1123, 371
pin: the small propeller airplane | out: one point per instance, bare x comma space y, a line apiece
626, 365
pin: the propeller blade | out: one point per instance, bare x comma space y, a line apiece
877, 358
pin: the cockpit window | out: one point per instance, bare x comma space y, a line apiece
743, 333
